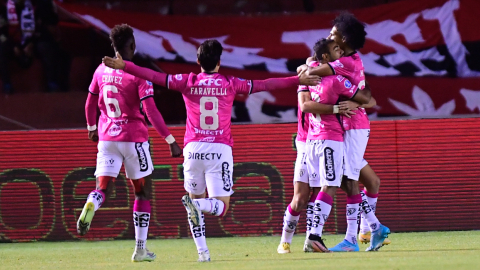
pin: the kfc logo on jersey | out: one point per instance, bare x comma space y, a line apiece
208, 82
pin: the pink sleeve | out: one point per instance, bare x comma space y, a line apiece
145, 89
94, 88
155, 117
241, 86
91, 109
346, 88
343, 66
146, 74
274, 84
177, 82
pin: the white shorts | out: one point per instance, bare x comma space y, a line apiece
325, 162
208, 166
134, 155
355, 144
301, 172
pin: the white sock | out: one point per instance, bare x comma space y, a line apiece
368, 214
352, 224
198, 234
97, 197
211, 205
290, 220
310, 206
321, 211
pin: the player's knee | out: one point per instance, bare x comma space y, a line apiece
142, 191
298, 203
104, 183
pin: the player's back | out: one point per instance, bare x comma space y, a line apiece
330, 91
208, 99
352, 68
119, 100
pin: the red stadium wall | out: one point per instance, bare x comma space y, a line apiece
429, 171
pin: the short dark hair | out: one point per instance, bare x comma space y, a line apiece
321, 47
209, 53
352, 29
120, 35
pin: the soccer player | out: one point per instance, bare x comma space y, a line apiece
208, 160
325, 139
123, 138
301, 192
349, 34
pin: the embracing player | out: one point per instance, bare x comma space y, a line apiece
325, 138
208, 160
350, 35
123, 138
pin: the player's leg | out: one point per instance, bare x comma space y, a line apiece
352, 213
301, 192
109, 162
309, 217
324, 162
138, 168
195, 185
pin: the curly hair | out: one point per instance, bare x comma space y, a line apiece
352, 29
209, 53
120, 35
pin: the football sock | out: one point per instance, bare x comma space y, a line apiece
96, 197
309, 211
353, 207
368, 213
141, 220
210, 205
321, 210
290, 220
198, 234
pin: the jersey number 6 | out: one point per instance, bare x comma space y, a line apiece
111, 101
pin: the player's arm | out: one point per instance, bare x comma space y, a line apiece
307, 105
140, 72
283, 83
91, 109
321, 70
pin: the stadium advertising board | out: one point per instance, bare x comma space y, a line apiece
429, 172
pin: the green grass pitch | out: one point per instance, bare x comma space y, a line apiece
431, 250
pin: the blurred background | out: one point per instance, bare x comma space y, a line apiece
422, 58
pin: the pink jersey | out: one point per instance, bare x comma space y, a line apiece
209, 100
330, 91
303, 122
351, 67
119, 100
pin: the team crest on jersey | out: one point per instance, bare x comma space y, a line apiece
149, 83
178, 77
347, 84
114, 130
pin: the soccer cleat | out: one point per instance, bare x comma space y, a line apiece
193, 212
204, 256
378, 236
307, 247
283, 248
364, 238
315, 243
143, 255
345, 246
85, 219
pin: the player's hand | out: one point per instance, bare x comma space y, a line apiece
348, 104
93, 135
301, 69
346, 112
308, 79
115, 63
175, 150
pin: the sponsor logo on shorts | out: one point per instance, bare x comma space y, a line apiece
227, 182
302, 172
142, 157
204, 156
329, 164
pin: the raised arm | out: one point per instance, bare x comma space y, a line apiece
322, 70
140, 72
283, 83
158, 123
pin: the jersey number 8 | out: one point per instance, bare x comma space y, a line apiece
204, 113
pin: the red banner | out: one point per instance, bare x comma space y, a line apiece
428, 169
